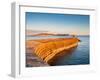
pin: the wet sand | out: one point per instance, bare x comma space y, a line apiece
32, 60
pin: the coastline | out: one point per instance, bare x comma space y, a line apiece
47, 47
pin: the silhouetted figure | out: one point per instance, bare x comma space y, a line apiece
74, 36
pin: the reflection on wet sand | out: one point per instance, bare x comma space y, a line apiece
32, 60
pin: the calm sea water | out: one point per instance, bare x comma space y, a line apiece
44, 37
79, 56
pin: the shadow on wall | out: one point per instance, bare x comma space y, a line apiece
56, 59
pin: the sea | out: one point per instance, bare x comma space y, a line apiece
80, 56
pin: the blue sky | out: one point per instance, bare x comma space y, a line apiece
58, 23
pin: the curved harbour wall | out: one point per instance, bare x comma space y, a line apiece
49, 48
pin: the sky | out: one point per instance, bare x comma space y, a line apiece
57, 23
